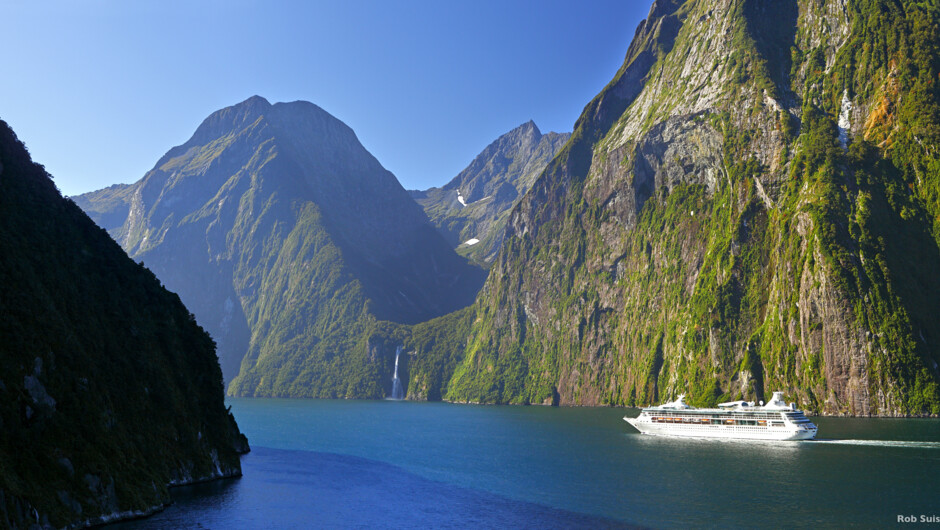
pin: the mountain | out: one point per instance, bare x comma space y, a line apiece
751, 204
109, 391
471, 210
291, 244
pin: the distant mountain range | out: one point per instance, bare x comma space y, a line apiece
289, 242
471, 210
109, 390
751, 204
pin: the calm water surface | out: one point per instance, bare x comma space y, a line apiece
321, 463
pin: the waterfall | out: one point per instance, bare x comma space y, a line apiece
397, 392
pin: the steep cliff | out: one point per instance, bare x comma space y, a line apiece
109, 391
290, 243
751, 204
471, 210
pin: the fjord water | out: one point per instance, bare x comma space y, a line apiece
323, 463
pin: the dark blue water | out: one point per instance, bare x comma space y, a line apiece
381, 464
302, 489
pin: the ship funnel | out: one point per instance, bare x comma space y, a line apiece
776, 402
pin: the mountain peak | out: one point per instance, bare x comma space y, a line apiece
255, 100
251, 107
527, 128
530, 125
230, 118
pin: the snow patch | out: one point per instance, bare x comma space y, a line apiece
471, 241
845, 120
464, 202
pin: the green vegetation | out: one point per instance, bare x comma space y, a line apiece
109, 390
435, 348
804, 267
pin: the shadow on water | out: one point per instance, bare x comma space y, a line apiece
302, 489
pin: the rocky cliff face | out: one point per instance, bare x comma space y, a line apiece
471, 210
288, 241
109, 391
750, 204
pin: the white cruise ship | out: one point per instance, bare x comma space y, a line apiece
738, 419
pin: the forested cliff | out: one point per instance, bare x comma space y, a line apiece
109, 390
751, 204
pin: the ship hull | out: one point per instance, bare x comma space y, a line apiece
722, 431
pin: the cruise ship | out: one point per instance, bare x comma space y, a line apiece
737, 419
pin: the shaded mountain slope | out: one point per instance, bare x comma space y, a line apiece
289, 241
109, 391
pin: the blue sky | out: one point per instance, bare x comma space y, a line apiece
100, 89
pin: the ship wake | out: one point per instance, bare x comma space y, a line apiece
882, 443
